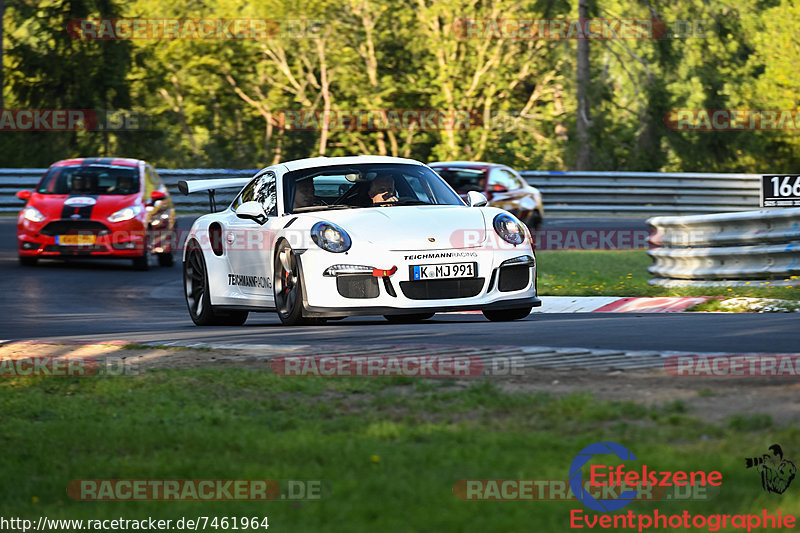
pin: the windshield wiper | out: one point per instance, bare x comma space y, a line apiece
321, 207
406, 202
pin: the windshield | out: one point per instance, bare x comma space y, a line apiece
90, 179
464, 180
366, 185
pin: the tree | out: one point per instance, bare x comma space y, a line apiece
583, 77
2, 46
49, 69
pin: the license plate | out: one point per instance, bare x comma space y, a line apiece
444, 270
76, 240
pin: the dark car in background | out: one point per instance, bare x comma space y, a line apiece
97, 207
502, 186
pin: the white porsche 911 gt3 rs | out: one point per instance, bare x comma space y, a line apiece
367, 235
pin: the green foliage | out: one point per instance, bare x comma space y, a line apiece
46, 68
378, 454
219, 103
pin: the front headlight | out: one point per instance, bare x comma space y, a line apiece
125, 214
32, 214
509, 229
330, 237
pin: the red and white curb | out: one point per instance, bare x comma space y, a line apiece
651, 305
616, 304
613, 304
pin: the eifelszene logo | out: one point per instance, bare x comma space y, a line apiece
644, 476
776, 472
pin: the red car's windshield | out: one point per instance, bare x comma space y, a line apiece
90, 179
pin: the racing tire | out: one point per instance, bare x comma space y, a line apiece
506, 315
166, 259
142, 262
28, 261
288, 287
408, 319
198, 300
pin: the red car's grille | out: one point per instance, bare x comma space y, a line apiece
72, 250
67, 227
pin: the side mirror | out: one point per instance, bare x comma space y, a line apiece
476, 199
252, 211
24, 195
155, 196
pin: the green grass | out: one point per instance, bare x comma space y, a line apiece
624, 273
387, 451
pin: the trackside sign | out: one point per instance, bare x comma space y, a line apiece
780, 190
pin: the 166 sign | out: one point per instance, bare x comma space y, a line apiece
780, 190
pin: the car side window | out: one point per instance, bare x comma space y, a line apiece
261, 189
154, 176
503, 178
519, 180
150, 183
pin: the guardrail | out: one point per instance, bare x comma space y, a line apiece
15, 179
727, 249
599, 193
645, 193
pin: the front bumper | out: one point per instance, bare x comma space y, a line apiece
496, 286
321, 312
123, 240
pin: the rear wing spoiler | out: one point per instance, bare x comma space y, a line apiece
187, 187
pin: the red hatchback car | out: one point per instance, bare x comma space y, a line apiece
97, 207
502, 186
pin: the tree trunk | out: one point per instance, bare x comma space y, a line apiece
324, 84
2, 70
583, 161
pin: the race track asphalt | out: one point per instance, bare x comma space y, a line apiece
107, 300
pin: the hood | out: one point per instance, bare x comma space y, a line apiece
411, 228
98, 207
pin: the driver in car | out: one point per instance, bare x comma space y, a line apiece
125, 185
304, 194
382, 190
80, 185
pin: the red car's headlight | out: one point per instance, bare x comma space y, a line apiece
125, 214
33, 214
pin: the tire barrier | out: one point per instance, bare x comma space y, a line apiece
749, 248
